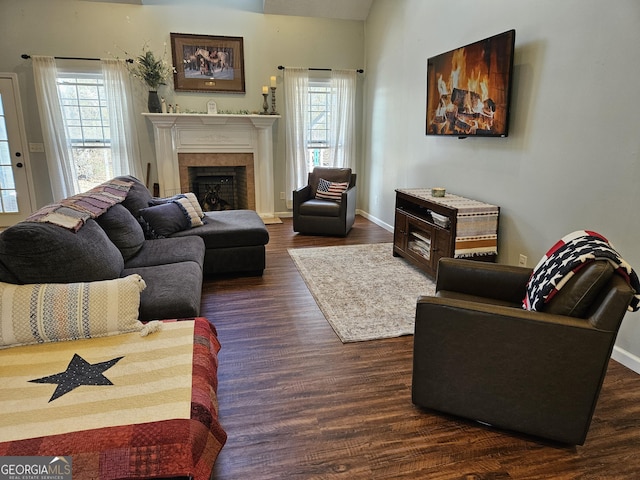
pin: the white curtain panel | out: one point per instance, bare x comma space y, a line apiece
296, 105
125, 148
62, 176
342, 122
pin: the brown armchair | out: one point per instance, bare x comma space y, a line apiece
325, 217
478, 354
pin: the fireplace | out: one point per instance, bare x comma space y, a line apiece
221, 176
241, 142
219, 188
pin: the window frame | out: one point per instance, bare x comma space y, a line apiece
86, 150
318, 148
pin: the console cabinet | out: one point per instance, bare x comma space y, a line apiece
428, 228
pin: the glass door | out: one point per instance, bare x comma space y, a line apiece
16, 201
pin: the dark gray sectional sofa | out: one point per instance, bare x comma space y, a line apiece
114, 245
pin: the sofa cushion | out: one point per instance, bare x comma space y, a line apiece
45, 253
162, 220
38, 313
320, 208
173, 291
574, 298
123, 230
138, 196
162, 251
230, 228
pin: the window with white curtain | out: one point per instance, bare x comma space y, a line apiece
320, 123
88, 124
86, 117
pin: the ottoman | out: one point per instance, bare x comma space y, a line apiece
234, 242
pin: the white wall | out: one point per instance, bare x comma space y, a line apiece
95, 29
571, 160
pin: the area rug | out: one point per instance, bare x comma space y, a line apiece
364, 292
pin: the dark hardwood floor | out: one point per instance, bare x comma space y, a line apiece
298, 404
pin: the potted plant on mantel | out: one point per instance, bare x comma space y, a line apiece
153, 72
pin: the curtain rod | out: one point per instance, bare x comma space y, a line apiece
280, 67
25, 56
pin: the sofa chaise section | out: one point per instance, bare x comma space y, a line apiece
235, 240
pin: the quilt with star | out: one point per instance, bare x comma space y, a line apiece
123, 406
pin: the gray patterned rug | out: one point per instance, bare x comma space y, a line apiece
364, 291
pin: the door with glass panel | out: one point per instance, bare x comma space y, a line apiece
15, 197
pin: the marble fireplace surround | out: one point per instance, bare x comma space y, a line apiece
178, 135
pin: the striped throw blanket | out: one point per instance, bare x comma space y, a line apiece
73, 211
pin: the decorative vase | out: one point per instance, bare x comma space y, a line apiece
153, 103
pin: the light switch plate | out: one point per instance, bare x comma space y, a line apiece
36, 147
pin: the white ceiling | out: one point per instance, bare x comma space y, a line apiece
340, 9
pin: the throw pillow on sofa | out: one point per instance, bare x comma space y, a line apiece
160, 221
123, 230
189, 201
39, 313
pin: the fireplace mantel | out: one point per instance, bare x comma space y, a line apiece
203, 133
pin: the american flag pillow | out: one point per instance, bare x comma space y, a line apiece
331, 190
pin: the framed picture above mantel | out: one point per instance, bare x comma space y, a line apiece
206, 63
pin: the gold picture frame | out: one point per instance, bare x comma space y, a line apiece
207, 63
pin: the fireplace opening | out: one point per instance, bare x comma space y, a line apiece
219, 188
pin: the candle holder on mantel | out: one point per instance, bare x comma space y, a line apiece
273, 102
265, 105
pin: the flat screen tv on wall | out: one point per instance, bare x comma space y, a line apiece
469, 89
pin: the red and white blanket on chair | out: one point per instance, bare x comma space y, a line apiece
565, 258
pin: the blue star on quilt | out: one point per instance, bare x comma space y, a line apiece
79, 372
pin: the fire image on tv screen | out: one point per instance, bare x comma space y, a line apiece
468, 89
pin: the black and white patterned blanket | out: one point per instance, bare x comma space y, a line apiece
565, 258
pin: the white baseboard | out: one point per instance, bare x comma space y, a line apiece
375, 220
627, 359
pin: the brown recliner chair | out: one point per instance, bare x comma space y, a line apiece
325, 217
478, 354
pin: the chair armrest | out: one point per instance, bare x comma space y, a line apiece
348, 205
349, 197
515, 316
483, 279
300, 195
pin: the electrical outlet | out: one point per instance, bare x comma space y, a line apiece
281, 195
522, 261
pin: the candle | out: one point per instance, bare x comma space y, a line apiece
273, 82
265, 89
